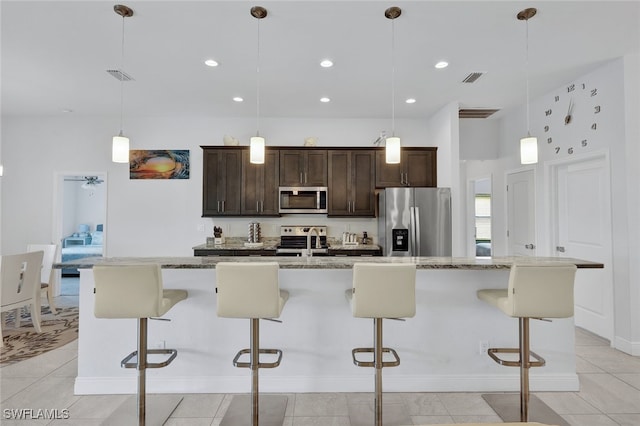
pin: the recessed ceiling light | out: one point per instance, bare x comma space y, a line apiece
237, 99
410, 101
211, 63
325, 100
326, 63
442, 64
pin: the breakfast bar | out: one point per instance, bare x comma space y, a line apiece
443, 348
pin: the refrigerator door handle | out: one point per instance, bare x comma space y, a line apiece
412, 233
416, 213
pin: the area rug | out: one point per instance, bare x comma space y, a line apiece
23, 342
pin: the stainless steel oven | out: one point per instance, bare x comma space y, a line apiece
303, 199
293, 240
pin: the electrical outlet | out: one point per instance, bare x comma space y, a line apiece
483, 347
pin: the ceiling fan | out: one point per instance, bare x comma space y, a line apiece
89, 181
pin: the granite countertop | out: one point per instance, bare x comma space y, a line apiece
326, 262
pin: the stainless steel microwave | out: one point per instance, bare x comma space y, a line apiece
303, 199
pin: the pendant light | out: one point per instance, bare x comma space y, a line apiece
528, 144
120, 145
256, 150
392, 145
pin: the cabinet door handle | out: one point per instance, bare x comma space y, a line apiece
348, 206
406, 179
222, 206
301, 178
401, 178
305, 177
257, 206
218, 210
261, 206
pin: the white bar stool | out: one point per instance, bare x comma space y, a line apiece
381, 291
251, 291
135, 291
535, 291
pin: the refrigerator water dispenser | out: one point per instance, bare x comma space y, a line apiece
400, 239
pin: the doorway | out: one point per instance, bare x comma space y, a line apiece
479, 213
79, 222
581, 228
521, 218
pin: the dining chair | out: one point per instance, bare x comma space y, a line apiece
19, 276
47, 273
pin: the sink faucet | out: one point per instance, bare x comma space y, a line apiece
312, 229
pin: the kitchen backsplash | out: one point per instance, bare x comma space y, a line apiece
270, 226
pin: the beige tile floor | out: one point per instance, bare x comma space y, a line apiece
609, 394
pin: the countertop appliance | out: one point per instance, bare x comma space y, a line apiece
415, 221
302, 199
293, 240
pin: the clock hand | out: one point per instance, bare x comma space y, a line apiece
567, 118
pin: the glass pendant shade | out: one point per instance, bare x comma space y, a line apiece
120, 149
392, 150
529, 150
256, 150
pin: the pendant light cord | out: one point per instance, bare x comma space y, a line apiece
526, 66
258, 85
122, 77
393, 80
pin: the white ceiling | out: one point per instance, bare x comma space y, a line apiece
55, 55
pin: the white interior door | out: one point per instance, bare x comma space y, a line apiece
521, 224
583, 219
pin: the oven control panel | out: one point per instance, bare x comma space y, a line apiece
298, 230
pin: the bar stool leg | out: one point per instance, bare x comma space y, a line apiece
524, 369
377, 344
254, 349
142, 370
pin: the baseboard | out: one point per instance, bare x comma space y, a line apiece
395, 383
627, 346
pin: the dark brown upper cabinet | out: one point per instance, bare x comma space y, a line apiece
417, 168
222, 177
351, 178
303, 167
260, 185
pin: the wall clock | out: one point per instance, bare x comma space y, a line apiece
571, 118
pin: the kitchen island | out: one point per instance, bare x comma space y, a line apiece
439, 347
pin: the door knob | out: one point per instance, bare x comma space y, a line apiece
560, 249
529, 246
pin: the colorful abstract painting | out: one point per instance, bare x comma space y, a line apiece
159, 164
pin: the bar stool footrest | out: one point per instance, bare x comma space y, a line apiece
539, 361
127, 363
372, 363
274, 364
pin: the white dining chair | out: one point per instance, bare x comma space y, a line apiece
47, 273
19, 279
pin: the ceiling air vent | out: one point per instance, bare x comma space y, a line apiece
476, 112
120, 75
471, 78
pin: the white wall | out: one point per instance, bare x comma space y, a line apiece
618, 134
82, 206
162, 217
479, 139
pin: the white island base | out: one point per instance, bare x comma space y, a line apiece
440, 348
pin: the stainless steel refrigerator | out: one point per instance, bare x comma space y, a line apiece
415, 221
